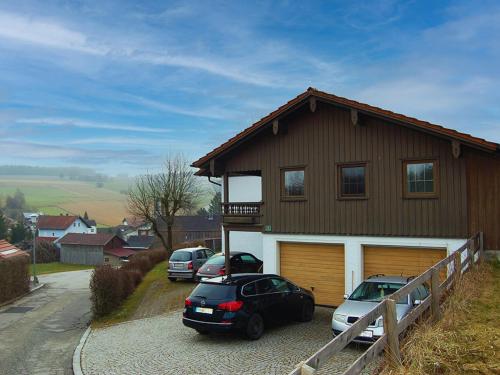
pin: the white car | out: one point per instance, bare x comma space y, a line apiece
366, 296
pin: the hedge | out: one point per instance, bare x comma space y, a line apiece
14, 277
111, 286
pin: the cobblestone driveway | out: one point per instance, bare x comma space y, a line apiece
162, 345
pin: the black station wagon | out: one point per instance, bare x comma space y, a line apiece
244, 303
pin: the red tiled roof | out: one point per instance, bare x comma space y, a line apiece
45, 239
8, 250
364, 108
97, 239
120, 252
55, 222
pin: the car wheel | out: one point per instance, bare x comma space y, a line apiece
172, 279
255, 327
202, 332
307, 312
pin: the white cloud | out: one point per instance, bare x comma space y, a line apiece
56, 121
45, 33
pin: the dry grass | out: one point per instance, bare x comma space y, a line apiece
467, 339
107, 212
155, 295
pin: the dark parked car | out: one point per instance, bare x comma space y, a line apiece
184, 263
240, 263
244, 302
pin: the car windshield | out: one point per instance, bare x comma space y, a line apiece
214, 291
375, 291
216, 259
181, 256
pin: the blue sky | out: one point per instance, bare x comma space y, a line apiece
117, 85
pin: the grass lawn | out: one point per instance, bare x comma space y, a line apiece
45, 268
467, 338
154, 296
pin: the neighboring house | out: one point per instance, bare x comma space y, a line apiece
116, 257
133, 226
8, 250
96, 249
328, 191
140, 242
30, 218
54, 227
193, 228
91, 224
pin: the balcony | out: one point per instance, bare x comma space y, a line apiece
241, 212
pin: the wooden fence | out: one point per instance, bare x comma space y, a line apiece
456, 263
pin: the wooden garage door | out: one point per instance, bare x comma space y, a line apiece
317, 267
399, 260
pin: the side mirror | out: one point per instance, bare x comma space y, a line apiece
346, 296
417, 302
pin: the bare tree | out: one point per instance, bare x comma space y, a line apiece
158, 198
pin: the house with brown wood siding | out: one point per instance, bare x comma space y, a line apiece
328, 191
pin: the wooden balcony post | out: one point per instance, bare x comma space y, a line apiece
435, 295
393, 356
227, 257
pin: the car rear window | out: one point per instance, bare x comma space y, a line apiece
181, 256
214, 291
216, 259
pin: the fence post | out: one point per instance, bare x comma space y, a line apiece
457, 267
393, 356
306, 370
481, 247
470, 254
435, 295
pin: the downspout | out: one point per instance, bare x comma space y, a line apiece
213, 182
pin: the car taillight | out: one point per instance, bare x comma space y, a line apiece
188, 303
190, 265
231, 306
222, 271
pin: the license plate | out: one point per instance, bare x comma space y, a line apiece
178, 266
366, 334
203, 310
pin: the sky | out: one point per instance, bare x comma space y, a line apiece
119, 85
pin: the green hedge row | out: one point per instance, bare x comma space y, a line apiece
111, 286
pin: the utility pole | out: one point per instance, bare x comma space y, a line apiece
35, 278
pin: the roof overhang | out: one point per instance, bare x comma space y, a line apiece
206, 164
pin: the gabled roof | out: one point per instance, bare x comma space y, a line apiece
8, 250
98, 239
56, 221
139, 242
120, 252
89, 222
344, 102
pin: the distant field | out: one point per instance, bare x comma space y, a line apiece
54, 196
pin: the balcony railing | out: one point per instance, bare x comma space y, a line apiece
241, 212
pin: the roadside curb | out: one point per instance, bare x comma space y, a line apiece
39, 286
77, 354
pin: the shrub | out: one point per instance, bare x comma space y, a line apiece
14, 277
47, 252
111, 286
106, 286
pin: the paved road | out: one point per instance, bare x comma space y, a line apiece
42, 340
162, 345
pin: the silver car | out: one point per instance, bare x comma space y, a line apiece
184, 263
366, 296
